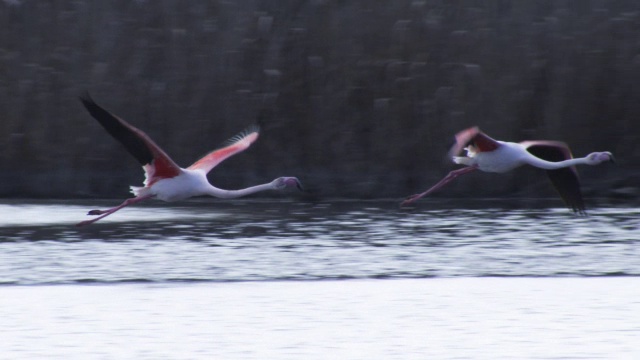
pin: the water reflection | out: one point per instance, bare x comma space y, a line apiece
242, 241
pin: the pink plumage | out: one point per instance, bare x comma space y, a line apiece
489, 155
164, 179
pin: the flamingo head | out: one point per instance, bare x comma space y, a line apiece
282, 183
600, 157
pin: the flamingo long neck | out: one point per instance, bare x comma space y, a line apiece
552, 165
229, 194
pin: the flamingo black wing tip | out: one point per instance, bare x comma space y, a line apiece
260, 120
255, 127
88, 102
580, 211
264, 117
85, 97
576, 206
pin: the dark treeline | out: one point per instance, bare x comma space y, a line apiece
357, 98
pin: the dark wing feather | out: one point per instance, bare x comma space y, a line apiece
154, 160
473, 136
126, 134
565, 180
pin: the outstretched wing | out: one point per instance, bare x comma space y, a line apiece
156, 163
473, 136
236, 144
565, 180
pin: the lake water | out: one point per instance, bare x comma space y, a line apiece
336, 280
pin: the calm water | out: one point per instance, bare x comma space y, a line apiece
240, 280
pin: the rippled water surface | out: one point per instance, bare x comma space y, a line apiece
205, 280
342, 240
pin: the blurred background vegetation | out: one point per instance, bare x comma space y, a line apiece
359, 98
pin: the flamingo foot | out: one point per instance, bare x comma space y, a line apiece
410, 199
83, 223
105, 213
452, 175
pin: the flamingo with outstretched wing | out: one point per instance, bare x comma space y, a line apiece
164, 179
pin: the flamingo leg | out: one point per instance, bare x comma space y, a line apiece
105, 213
447, 179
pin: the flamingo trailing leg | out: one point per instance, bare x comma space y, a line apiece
489, 155
164, 179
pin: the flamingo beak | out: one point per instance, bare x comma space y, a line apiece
294, 181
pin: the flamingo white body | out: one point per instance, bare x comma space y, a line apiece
489, 155
164, 180
506, 157
192, 183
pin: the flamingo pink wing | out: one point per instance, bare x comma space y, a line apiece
473, 136
236, 144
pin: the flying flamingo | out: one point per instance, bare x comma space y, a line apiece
487, 154
164, 179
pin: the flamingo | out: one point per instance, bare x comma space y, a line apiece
164, 179
489, 155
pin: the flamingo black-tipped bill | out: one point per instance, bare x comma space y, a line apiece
292, 181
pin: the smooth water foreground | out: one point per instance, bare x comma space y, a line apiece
241, 280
